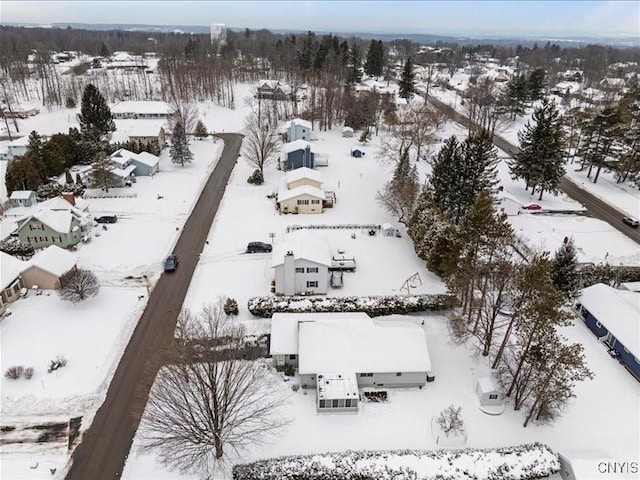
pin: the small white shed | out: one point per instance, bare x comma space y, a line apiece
488, 394
389, 230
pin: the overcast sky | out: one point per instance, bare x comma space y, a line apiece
528, 18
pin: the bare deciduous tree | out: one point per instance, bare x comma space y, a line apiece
185, 113
209, 401
77, 285
450, 421
260, 142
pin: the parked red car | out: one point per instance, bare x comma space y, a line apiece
533, 206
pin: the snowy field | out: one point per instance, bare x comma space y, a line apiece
404, 421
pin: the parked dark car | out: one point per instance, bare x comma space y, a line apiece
106, 219
171, 263
632, 222
254, 247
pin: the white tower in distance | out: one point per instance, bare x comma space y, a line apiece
218, 33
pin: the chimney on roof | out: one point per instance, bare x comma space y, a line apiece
69, 197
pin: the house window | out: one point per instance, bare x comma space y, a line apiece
299, 269
292, 357
315, 202
493, 396
312, 269
341, 403
347, 403
303, 202
312, 284
30, 227
366, 374
398, 374
321, 404
334, 403
53, 239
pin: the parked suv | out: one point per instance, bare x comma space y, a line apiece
632, 222
254, 247
171, 263
106, 219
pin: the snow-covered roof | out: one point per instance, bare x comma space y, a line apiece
332, 386
297, 145
21, 194
347, 130
57, 213
487, 384
303, 172
7, 227
21, 141
54, 259
617, 310
142, 107
304, 244
298, 121
632, 286
122, 155
123, 172
11, 269
145, 127
284, 334
334, 343
310, 190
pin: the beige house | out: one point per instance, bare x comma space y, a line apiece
47, 266
301, 192
10, 280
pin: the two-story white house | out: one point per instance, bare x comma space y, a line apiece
301, 263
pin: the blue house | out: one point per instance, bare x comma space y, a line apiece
613, 315
297, 154
357, 152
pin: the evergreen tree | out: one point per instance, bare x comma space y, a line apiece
354, 74
564, 270
460, 172
104, 50
407, 80
600, 136
374, 65
537, 83
516, 95
96, 121
68, 179
101, 176
200, 130
540, 161
21, 174
79, 180
179, 151
35, 153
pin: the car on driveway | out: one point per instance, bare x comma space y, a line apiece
632, 222
254, 247
533, 206
106, 219
171, 263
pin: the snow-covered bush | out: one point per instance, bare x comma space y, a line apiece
59, 362
522, 462
14, 373
256, 178
230, 306
609, 274
266, 306
28, 373
12, 246
77, 285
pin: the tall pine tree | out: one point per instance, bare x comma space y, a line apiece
95, 119
374, 64
540, 161
407, 80
179, 151
564, 269
537, 83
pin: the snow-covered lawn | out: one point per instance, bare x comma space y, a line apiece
595, 240
90, 335
403, 422
623, 196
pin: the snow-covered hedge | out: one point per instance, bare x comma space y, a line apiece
609, 274
521, 462
266, 306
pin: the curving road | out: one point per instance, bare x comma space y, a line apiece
105, 445
596, 207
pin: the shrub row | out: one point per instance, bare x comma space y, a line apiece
522, 462
266, 306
